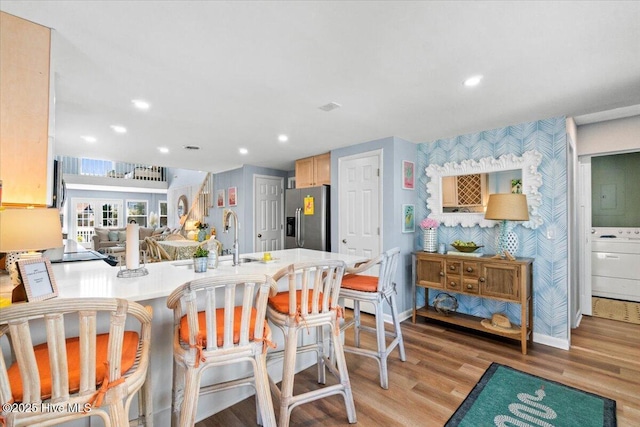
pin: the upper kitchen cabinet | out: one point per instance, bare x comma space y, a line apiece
313, 171
464, 191
24, 111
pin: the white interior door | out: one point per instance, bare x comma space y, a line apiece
268, 203
360, 216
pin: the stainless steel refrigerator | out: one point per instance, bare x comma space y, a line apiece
306, 213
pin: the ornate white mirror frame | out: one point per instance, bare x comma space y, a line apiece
531, 180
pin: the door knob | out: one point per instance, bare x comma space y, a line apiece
344, 241
259, 236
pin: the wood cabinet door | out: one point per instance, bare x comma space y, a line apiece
430, 272
24, 111
500, 281
322, 169
449, 193
304, 172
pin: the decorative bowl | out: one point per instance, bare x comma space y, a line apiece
467, 248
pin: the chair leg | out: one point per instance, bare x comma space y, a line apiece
356, 324
117, 415
341, 363
177, 393
190, 400
382, 345
320, 352
396, 324
264, 404
145, 401
288, 374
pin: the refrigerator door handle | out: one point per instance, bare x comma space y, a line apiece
299, 228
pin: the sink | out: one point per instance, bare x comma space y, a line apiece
228, 260
224, 260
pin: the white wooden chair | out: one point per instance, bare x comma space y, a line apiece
211, 331
375, 290
87, 372
311, 301
175, 236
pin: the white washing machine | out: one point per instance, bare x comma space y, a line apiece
615, 263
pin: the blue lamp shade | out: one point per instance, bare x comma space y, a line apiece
505, 208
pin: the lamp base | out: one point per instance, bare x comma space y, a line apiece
507, 239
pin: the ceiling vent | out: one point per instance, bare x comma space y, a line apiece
330, 106
191, 147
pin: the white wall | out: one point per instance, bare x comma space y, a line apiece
609, 137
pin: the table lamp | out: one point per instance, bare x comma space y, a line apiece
25, 231
505, 208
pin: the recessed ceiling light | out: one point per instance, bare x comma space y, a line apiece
243, 151
139, 103
89, 138
283, 138
330, 106
473, 81
119, 129
163, 150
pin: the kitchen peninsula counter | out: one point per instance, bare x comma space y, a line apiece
98, 279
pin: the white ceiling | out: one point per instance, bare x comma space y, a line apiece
224, 75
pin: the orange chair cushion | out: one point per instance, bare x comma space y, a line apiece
129, 350
237, 316
280, 301
360, 282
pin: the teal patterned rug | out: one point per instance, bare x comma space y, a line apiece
507, 397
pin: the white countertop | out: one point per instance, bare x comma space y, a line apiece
98, 279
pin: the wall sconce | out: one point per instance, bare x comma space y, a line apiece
505, 208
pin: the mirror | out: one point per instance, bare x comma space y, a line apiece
495, 171
182, 206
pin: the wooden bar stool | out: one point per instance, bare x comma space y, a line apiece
211, 331
310, 302
375, 290
88, 374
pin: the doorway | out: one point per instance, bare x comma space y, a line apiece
268, 214
360, 196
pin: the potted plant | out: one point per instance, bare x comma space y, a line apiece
200, 259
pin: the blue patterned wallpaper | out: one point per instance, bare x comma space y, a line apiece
548, 137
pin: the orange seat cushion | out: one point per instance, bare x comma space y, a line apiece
129, 350
237, 315
360, 282
280, 301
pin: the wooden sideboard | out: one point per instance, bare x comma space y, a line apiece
483, 277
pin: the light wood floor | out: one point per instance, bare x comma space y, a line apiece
443, 364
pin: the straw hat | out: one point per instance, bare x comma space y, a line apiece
500, 322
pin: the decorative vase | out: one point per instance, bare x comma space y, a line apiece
430, 242
200, 264
202, 234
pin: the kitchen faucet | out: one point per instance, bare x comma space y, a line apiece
236, 245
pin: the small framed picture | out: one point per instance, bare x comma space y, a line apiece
220, 199
408, 219
233, 194
37, 278
408, 175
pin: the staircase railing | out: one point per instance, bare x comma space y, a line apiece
202, 202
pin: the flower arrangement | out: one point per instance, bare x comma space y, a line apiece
201, 225
429, 223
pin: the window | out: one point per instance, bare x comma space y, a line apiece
110, 215
95, 167
90, 213
137, 211
162, 208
